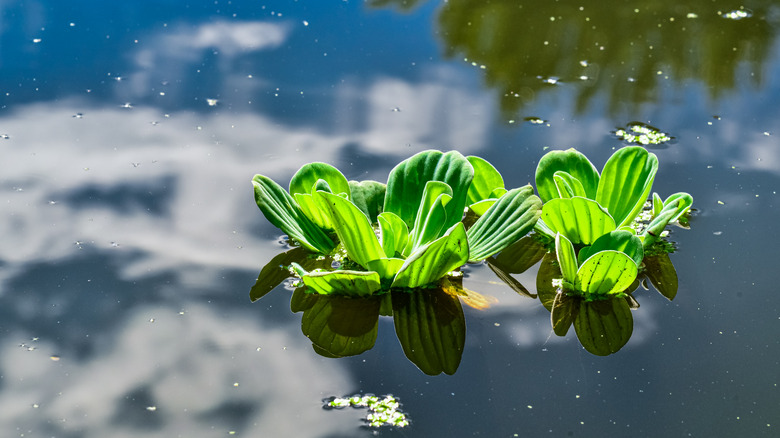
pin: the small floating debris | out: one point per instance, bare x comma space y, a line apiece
212, 102
738, 14
381, 411
642, 134
535, 120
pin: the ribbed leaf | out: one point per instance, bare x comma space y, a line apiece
626, 182
619, 240
342, 326
431, 328
568, 185
479, 208
433, 261
393, 233
509, 219
567, 259
312, 211
347, 283
681, 202
605, 273
604, 327
369, 197
407, 180
520, 256
352, 227
486, 180
570, 161
283, 212
675, 206
429, 224
307, 176
276, 271
581, 220
386, 267
658, 204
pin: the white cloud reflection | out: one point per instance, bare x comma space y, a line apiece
178, 376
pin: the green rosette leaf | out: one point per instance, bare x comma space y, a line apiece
283, 212
346, 283
568, 185
570, 161
521, 255
567, 259
406, 184
673, 208
307, 177
386, 267
619, 240
276, 270
429, 223
352, 227
510, 218
433, 261
626, 182
369, 197
393, 233
486, 183
605, 273
310, 208
581, 220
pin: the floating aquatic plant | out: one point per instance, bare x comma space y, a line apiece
418, 215
385, 411
410, 235
583, 205
642, 134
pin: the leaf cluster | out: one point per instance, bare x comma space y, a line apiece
594, 217
407, 233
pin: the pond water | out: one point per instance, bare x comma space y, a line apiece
130, 132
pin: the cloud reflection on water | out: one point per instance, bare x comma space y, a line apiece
165, 374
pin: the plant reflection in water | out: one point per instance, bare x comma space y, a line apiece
430, 323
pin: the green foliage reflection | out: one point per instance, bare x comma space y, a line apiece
621, 48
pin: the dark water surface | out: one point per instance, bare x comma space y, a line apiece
130, 132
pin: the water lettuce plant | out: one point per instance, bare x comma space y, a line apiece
405, 234
583, 204
598, 235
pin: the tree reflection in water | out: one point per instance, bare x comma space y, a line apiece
619, 48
